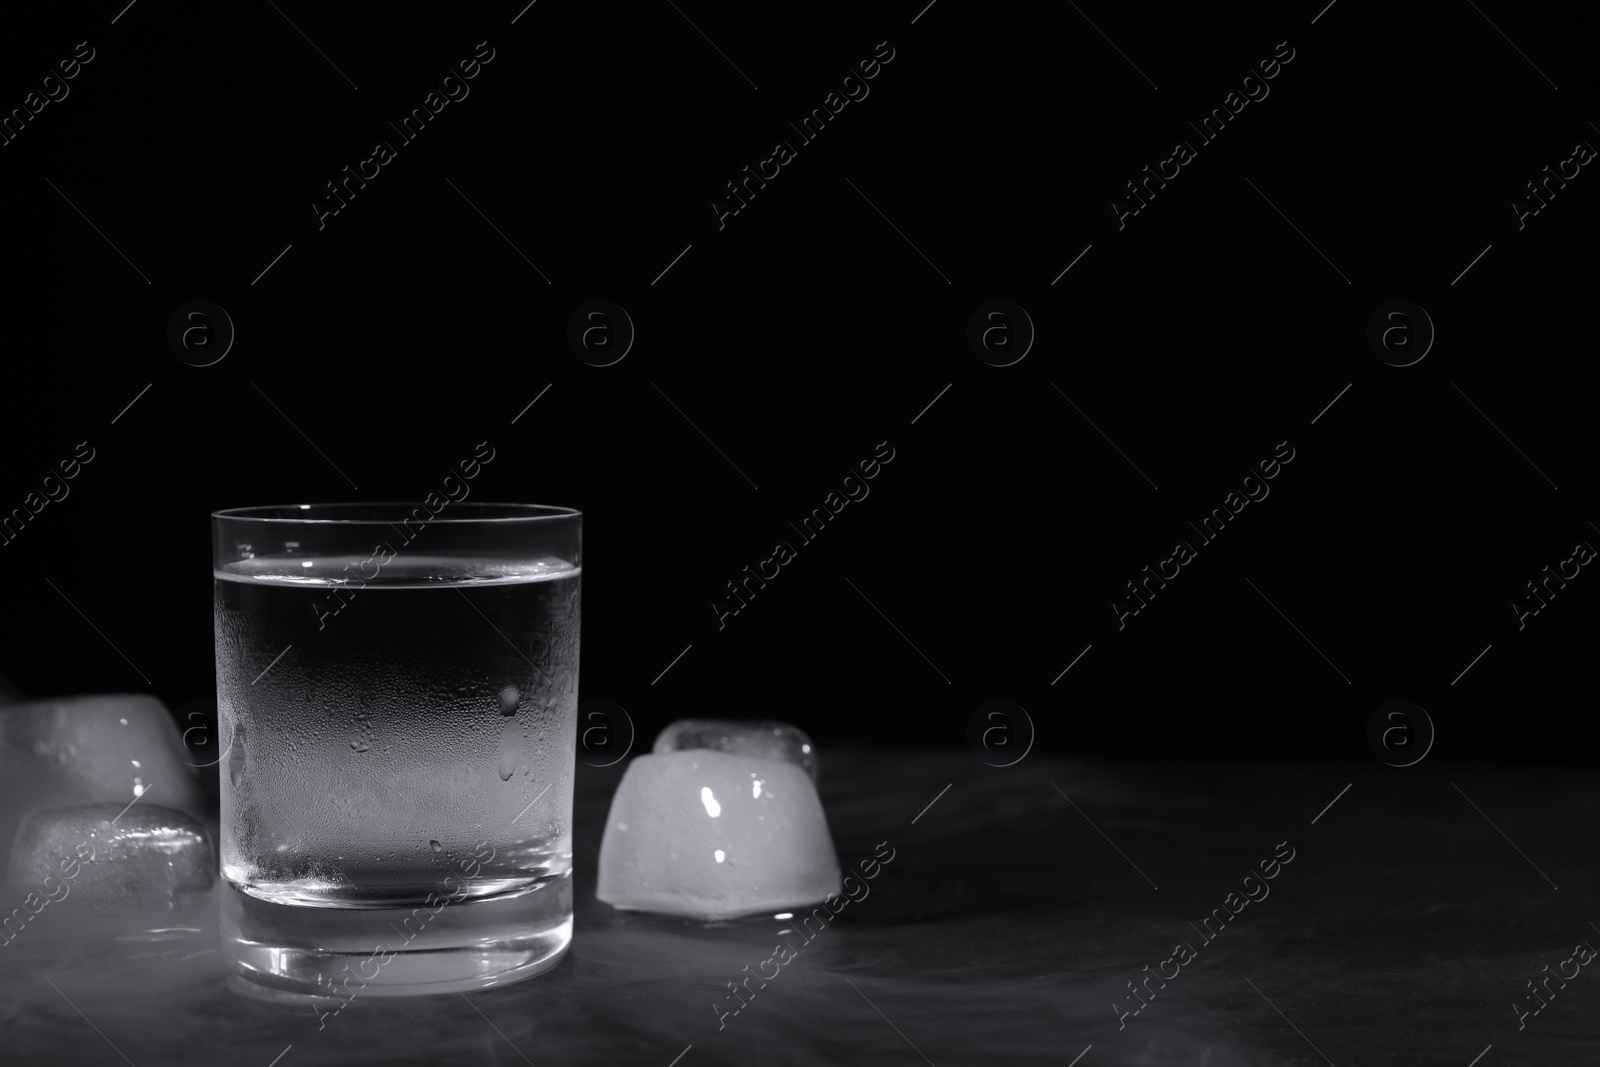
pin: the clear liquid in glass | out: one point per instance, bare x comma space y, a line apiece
416, 727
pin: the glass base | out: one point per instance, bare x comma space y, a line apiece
395, 952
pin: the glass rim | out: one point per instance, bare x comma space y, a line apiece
534, 513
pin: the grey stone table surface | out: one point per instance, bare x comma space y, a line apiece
1416, 906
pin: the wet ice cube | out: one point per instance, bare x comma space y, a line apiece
715, 835
87, 749
152, 860
748, 737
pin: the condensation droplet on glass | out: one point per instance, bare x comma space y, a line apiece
510, 751
509, 699
435, 845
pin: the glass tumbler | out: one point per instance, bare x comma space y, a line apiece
397, 698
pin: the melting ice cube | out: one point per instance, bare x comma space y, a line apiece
99, 860
689, 834
80, 750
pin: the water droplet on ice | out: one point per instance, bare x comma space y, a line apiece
435, 845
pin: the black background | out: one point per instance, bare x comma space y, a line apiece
808, 330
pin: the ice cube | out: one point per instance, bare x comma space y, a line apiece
747, 737
82, 750
151, 860
715, 835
